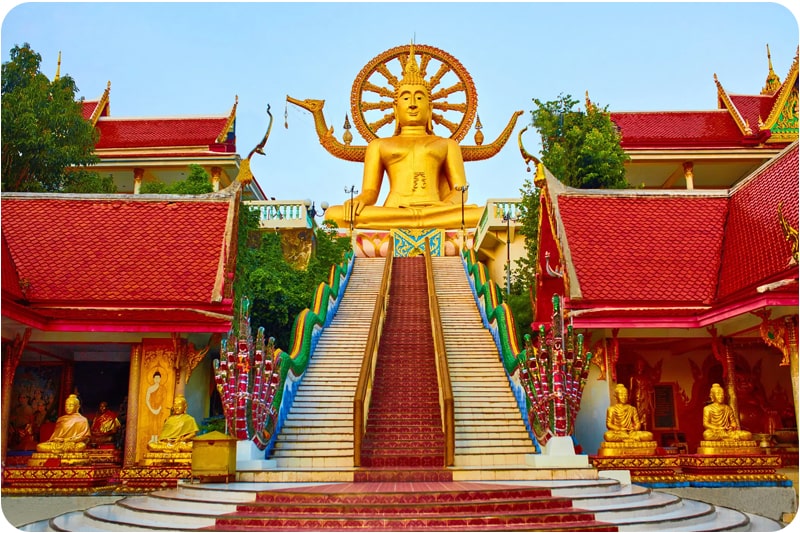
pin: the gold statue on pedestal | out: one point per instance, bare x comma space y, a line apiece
427, 182
104, 426
624, 436
722, 433
423, 169
69, 438
174, 444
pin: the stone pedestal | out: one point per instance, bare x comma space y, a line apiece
559, 452
249, 457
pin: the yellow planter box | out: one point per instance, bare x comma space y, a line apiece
214, 456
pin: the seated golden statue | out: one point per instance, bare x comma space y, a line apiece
426, 172
622, 420
71, 432
720, 421
177, 432
104, 426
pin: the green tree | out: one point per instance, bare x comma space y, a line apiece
197, 182
580, 148
44, 134
277, 290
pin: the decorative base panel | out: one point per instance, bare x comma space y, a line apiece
177, 459
59, 480
724, 447
609, 449
149, 478
56, 460
698, 470
102, 455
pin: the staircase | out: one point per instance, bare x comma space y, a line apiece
404, 440
318, 432
573, 505
490, 434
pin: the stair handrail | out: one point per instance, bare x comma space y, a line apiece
442, 368
366, 375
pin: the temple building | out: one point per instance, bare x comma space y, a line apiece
691, 279
135, 150
669, 310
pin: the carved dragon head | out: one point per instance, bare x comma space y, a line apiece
309, 104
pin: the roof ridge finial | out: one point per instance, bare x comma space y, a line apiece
773, 82
58, 67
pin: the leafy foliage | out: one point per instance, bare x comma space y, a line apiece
44, 134
277, 290
84, 182
580, 148
197, 182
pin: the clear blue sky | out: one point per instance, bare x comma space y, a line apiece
193, 58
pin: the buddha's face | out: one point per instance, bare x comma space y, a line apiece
717, 394
179, 407
413, 106
71, 406
622, 395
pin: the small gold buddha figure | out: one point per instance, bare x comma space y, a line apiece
723, 434
177, 432
71, 432
104, 426
423, 170
624, 435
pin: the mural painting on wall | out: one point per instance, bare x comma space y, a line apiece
156, 390
36, 401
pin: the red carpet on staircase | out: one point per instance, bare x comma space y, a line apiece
404, 440
421, 506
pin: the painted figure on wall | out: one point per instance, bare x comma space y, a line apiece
643, 391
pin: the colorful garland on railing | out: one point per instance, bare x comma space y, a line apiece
257, 381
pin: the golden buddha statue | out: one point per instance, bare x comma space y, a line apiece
67, 444
425, 171
104, 426
719, 419
177, 432
624, 436
71, 432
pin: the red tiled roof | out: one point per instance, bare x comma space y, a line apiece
152, 132
10, 276
116, 251
755, 248
88, 107
662, 249
753, 107
668, 129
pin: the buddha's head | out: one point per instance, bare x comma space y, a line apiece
179, 406
412, 99
72, 404
717, 394
621, 393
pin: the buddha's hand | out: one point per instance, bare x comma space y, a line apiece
353, 208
